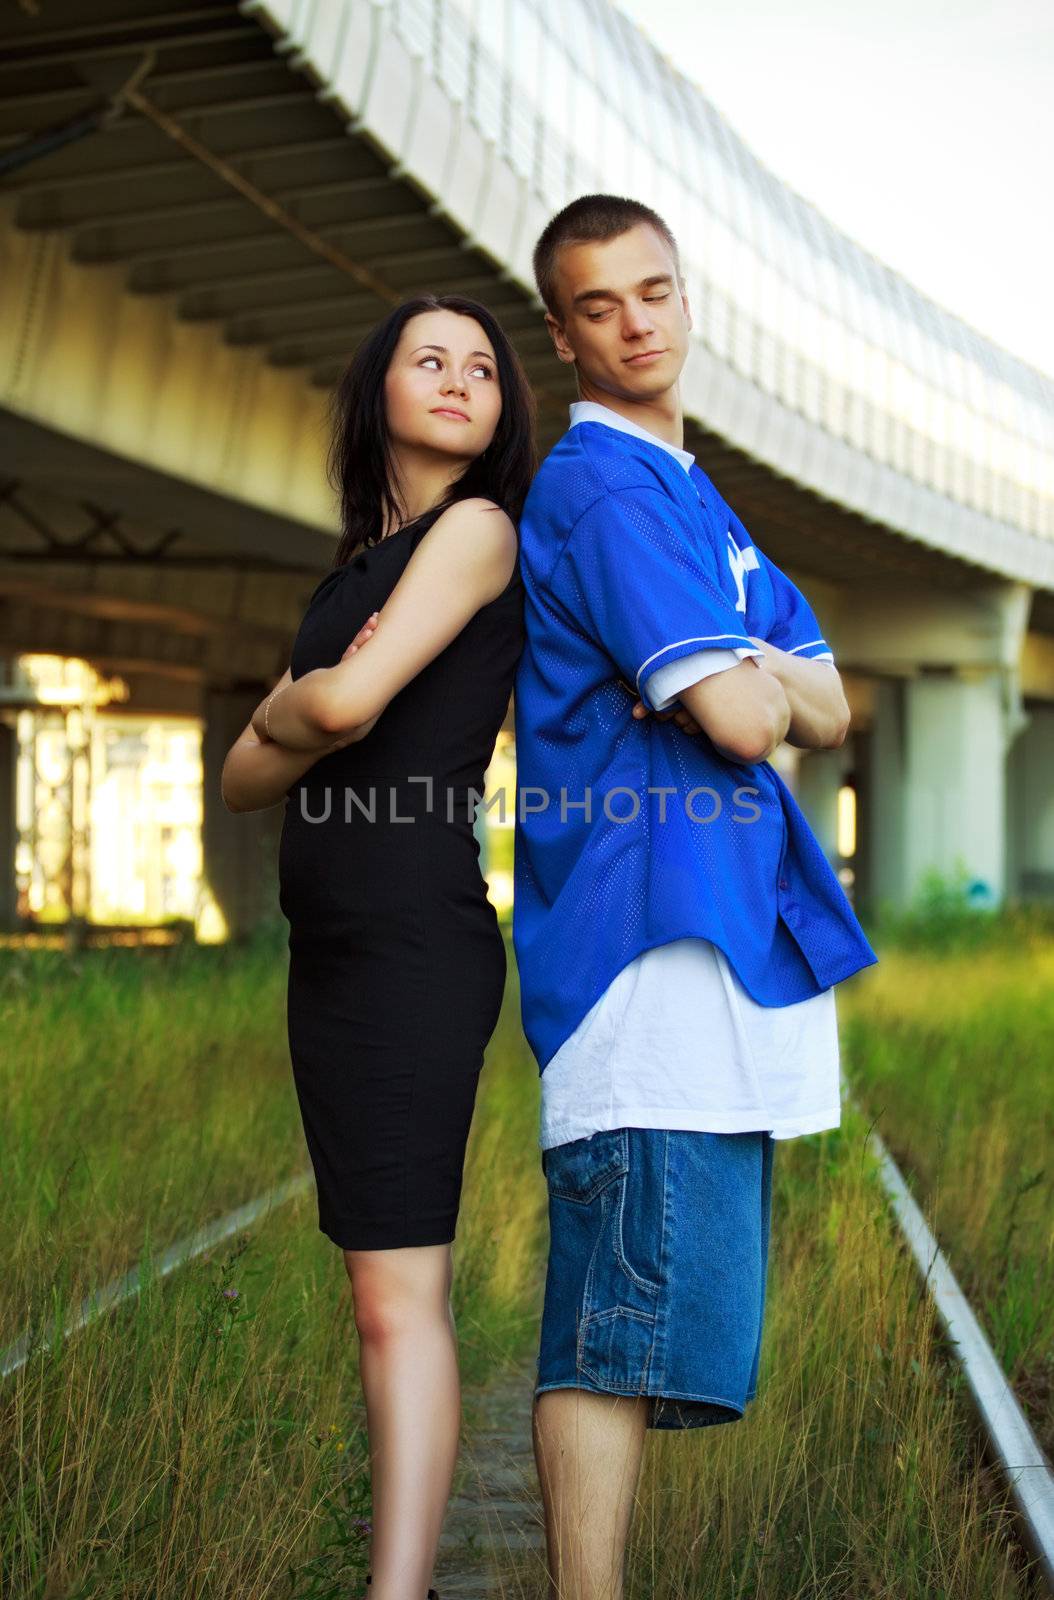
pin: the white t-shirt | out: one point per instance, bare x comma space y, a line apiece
675, 1041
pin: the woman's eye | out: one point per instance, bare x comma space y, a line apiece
425, 360
487, 373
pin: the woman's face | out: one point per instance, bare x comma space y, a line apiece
441, 387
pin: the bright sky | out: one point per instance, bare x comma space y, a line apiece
922, 128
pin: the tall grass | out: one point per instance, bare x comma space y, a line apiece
854, 1471
208, 1438
144, 1091
949, 1045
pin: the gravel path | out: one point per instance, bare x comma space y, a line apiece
493, 1542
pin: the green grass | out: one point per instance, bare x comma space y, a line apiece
144, 1092
949, 1046
855, 1472
200, 1442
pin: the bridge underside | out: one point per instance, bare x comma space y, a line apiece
229, 239
155, 196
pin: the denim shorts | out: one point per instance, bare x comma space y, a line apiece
658, 1256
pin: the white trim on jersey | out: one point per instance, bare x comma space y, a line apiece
706, 639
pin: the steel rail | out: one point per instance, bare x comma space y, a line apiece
193, 1244
1018, 1451
1020, 1455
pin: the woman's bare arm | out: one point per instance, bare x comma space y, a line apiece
259, 772
465, 560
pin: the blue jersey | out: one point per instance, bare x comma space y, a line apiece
629, 833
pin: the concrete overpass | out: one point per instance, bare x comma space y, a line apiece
204, 205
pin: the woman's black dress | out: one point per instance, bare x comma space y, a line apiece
396, 961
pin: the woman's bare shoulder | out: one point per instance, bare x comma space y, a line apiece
479, 533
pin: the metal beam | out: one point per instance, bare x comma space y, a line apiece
20, 46
104, 592
80, 213
1017, 1450
198, 248
114, 646
299, 350
200, 303
212, 521
45, 180
277, 318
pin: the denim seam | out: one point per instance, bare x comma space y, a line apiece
610, 1386
619, 1311
584, 1366
599, 1184
703, 1399
585, 1199
584, 1313
660, 1330
620, 1249
611, 1383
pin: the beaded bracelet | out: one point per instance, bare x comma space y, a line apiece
267, 708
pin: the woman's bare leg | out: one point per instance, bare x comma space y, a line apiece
411, 1381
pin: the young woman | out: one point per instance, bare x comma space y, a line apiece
380, 730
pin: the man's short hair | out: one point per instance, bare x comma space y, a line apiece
590, 219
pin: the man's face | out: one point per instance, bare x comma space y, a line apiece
623, 317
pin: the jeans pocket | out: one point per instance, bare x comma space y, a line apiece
615, 1349
581, 1168
612, 1299
593, 1173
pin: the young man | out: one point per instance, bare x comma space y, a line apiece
678, 929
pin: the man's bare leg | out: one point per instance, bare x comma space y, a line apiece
588, 1450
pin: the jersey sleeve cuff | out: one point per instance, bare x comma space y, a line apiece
665, 684
740, 642
826, 654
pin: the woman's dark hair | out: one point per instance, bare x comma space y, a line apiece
360, 454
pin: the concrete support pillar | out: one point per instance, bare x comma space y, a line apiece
1030, 807
946, 706
937, 782
956, 753
8, 830
862, 890
821, 773
239, 849
884, 813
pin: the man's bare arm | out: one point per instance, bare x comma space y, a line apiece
820, 714
749, 710
743, 711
